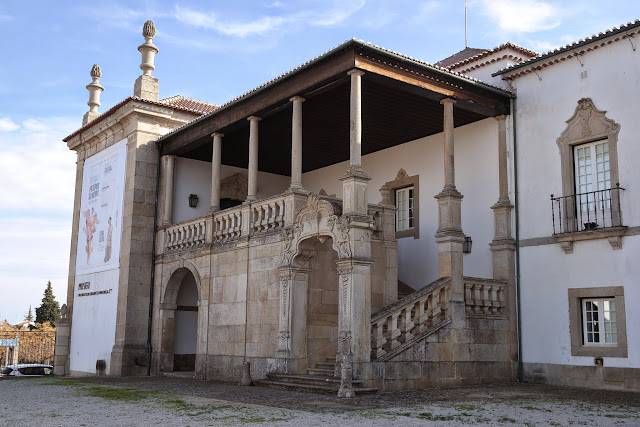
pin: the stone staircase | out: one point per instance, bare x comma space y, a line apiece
318, 379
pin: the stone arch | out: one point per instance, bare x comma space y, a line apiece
320, 219
168, 311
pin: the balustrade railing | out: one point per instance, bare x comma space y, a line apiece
401, 323
187, 234
587, 211
267, 215
484, 296
227, 224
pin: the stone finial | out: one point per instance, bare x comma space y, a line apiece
63, 309
95, 71
385, 192
95, 90
148, 30
146, 86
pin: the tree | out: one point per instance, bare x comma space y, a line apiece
49, 310
29, 316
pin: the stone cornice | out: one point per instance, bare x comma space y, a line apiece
121, 119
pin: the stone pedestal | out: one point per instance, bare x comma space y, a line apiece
354, 192
61, 352
146, 87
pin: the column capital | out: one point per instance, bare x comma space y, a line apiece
446, 101
220, 134
297, 98
252, 118
355, 71
169, 156
501, 117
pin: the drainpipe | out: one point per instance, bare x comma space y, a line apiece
516, 201
153, 261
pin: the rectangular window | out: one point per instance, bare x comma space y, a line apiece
405, 206
592, 175
599, 323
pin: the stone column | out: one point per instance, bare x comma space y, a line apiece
354, 182
503, 245
252, 193
296, 144
169, 167
216, 165
63, 341
449, 235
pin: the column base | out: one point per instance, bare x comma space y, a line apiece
354, 191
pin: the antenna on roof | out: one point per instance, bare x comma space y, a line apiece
465, 24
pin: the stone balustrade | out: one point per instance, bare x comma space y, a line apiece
267, 215
227, 224
188, 234
259, 217
484, 296
400, 324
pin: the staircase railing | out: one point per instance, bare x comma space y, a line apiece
395, 327
484, 296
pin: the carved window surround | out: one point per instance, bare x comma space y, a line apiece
588, 124
402, 181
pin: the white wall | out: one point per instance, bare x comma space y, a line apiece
548, 273
194, 177
543, 106
476, 178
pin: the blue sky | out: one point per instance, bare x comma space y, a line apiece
209, 50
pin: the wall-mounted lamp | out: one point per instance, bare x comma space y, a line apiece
466, 246
193, 200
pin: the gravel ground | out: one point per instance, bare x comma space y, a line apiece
161, 401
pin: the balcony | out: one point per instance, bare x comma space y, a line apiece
588, 216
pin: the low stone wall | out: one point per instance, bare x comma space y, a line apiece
602, 377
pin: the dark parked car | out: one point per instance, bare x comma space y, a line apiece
27, 370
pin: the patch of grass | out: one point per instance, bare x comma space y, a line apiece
531, 408
616, 416
192, 410
507, 420
466, 407
430, 417
121, 394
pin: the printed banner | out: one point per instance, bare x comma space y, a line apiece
101, 204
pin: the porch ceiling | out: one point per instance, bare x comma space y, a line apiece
396, 108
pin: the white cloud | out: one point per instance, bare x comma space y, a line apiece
36, 189
38, 170
339, 13
522, 16
6, 18
211, 21
8, 125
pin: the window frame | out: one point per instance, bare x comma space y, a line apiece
409, 210
587, 125
576, 322
403, 180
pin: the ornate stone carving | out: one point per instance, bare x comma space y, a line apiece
95, 71
587, 121
234, 187
314, 210
340, 229
402, 174
344, 272
148, 30
346, 371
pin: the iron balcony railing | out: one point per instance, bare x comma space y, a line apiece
587, 211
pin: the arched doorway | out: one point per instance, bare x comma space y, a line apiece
178, 313
322, 304
186, 325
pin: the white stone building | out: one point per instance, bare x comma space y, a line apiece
251, 237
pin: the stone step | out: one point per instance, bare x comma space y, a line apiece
320, 371
311, 388
326, 365
310, 379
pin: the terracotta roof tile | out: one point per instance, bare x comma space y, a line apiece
485, 53
465, 53
622, 30
177, 102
